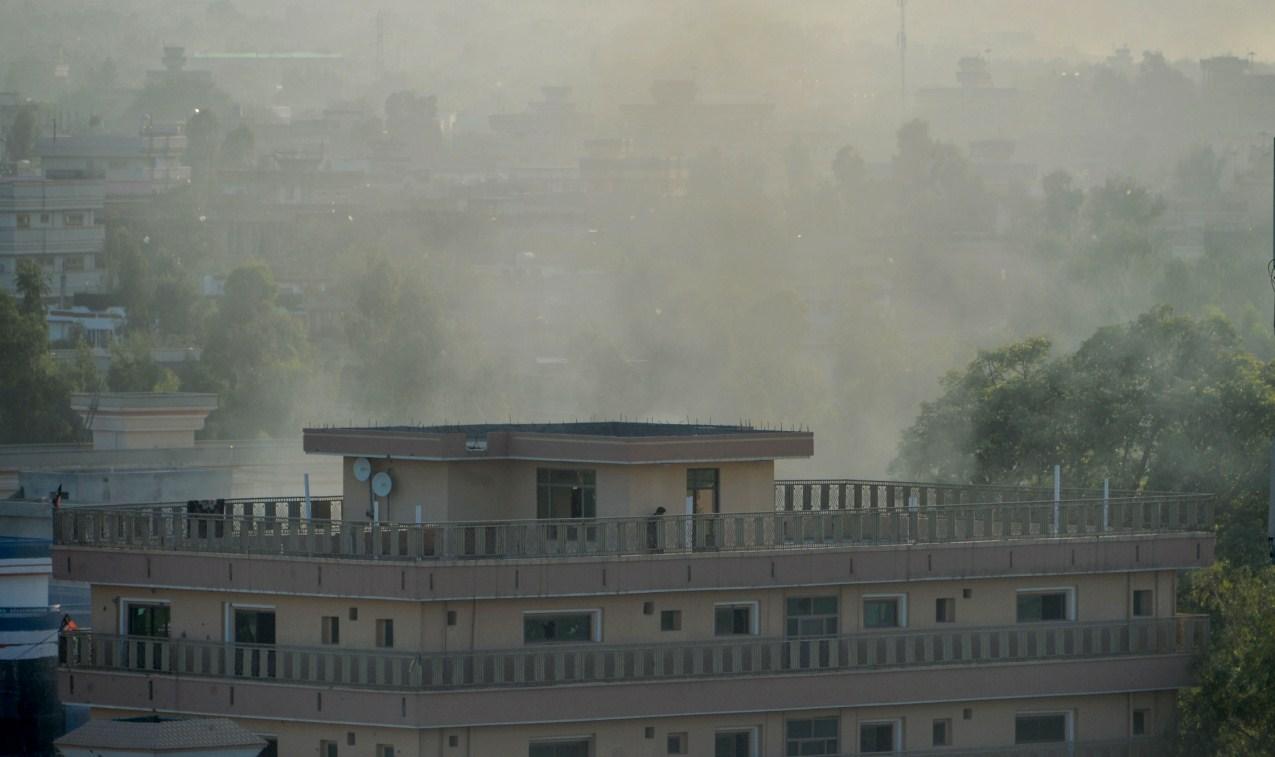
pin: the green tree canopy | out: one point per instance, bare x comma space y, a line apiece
1165, 402
254, 358
34, 396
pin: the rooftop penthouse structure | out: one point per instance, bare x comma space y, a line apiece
589, 589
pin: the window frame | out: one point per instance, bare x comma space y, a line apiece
675, 616
836, 720
947, 731
1069, 732
951, 617
588, 740
228, 619
333, 747
330, 633
789, 617
1133, 603
754, 619
1145, 712
128, 602
595, 630
754, 738
683, 742
1068, 591
386, 640
588, 506
896, 734
901, 598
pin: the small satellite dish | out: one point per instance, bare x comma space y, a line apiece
362, 469
381, 484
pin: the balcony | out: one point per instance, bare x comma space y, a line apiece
1137, 746
280, 528
587, 664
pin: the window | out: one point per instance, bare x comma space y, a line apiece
877, 737
24, 220
945, 610
1035, 606
147, 619
384, 750
670, 620
811, 616
677, 743
1140, 720
73, 263
44, 219
354, 613
553, 627
1142, 603
942, 732
272, 746
73, 219
566, 493
884, 612
1041, 729
564, 748
735, 743
385, 632
327, 749
703, 491
331, 629
813, 736
735, 619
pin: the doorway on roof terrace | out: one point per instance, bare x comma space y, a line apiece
703, 503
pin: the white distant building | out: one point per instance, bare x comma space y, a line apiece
54, 223
132, 166
97, 328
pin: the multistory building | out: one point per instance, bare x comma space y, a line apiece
55, 224
607, 589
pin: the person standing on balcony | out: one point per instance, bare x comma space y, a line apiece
653, 530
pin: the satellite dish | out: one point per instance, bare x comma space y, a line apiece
362, 469
381, 484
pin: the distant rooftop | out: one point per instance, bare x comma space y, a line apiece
600, 441
581, 428
153, 734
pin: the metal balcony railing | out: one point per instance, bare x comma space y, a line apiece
1137, 746
280, 528
554, 664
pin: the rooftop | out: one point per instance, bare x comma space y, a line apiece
160, 734
621, 442
579, 428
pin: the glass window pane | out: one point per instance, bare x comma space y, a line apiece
1040, 729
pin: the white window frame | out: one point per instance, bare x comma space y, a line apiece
754, 743
1069, 723
1070, 591
754, 616
903, 610
596, 612
126, 601
896, 725
228, 619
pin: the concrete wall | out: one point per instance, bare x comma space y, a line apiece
506, 489
497, 623
991, 723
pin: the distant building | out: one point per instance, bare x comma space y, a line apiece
54, 223
678, 124
30, 714
133, 167
175, 72
97, 328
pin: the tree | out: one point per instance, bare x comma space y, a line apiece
1165, 402
1062, 202
34, 398
1230, 712
134, 370
22, 134
254, 356
393, 337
